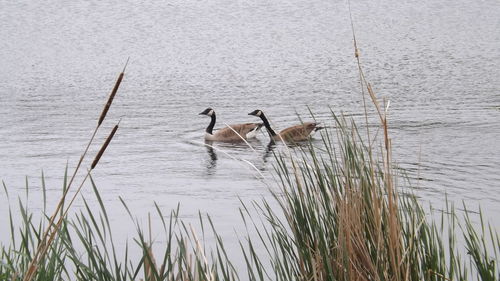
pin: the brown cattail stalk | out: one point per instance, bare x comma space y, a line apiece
104, 146
112, 95
43, 246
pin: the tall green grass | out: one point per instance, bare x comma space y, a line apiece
335, 221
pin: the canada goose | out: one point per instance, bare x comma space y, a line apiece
247, 130
292, 134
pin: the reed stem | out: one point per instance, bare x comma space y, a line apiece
41, 249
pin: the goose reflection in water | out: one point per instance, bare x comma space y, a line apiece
212, 157
269, 151
233, 150
272, 145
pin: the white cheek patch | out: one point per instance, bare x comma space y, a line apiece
211, 112
259, 113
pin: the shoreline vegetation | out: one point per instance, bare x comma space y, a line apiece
341, 216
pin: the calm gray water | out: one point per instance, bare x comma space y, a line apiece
438, 62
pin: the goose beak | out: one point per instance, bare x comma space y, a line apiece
255, 113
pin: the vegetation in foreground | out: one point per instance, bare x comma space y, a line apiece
341, 218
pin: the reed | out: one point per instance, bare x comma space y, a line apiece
112, 95
334, 222
104, 146
51, 231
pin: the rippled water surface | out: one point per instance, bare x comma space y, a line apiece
438, 62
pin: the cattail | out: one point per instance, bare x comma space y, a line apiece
44, 244
103, 148
112, 95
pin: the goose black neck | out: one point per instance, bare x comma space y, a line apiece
267, 125
210, 127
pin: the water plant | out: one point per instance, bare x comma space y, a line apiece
335, 222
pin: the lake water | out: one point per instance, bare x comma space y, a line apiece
438, 62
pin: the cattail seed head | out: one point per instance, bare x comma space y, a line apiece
110, 99
103, 148
112, 95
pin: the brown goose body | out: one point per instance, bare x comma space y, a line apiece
295, 133
235, 132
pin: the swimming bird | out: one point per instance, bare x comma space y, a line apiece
295, 133
235, 133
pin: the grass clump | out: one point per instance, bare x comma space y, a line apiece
335, 221
343, 218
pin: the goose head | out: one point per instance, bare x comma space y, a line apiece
208, 112
256, 112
